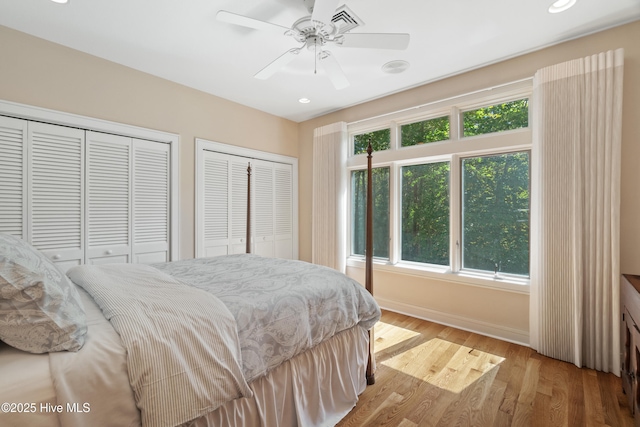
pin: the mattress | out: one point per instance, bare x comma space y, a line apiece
26, 389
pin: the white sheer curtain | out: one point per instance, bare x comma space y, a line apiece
329, 196
577, 110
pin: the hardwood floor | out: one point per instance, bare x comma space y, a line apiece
433, 375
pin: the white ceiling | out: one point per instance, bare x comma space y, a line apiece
182, 41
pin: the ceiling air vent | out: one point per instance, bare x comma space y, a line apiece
345, 20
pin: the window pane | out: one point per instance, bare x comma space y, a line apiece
495, 210
426, 131
380, 140
380, 179
496, 118
425, 213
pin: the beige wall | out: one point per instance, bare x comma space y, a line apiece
44, 74
506, 311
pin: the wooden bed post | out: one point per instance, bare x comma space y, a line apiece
248, 250
369, 260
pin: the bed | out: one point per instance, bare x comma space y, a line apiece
237, 340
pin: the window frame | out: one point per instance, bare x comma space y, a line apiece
453, 150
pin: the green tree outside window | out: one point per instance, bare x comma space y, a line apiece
425, 213
495, 209
380, 141
424, 132
380, 180
496, 118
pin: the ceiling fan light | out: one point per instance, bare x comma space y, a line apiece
561, 6
313, 43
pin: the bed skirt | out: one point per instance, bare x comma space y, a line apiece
316, 388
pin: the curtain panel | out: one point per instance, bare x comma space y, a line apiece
328, 230
575, 276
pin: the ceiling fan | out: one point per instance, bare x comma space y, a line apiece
315, 32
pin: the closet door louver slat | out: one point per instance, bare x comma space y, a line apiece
13, 176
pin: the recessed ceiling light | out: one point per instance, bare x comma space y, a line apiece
304, 100
60, 1
561, 6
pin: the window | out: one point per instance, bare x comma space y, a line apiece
459, 207
425, 213
380, 180
380, 140
495, 211
425, 131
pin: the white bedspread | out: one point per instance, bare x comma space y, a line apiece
183, 353
282, 307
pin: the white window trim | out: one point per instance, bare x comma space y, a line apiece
452, 150
468, 101
445, 274
28, 112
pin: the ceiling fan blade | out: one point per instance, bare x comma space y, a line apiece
333, 70
397, 41
280, 62
323, 10
245, 21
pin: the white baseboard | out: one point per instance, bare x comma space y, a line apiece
505, 333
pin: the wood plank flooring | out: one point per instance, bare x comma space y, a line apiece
433, 375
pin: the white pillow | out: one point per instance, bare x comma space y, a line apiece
40, 309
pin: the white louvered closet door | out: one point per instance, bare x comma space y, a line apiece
263, 195
238, 204
283, 225
272, 211
13, 177
215, 215
223, 206
151, 201
108, 198
56, 165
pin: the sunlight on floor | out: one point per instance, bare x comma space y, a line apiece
399, 335
446, 365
